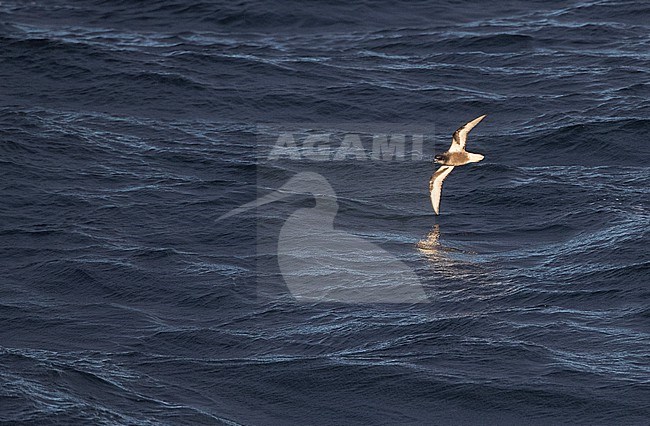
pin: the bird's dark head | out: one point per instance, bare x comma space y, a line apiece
440, 158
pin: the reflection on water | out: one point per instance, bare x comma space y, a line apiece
431, 246
445, 262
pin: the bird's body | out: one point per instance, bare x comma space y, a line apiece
459, 158
456, 155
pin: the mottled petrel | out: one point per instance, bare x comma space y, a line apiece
454, 156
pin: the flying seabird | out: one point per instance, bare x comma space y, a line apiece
454, 156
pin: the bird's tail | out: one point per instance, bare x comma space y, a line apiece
475, 158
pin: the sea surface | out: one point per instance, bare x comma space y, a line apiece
131, 293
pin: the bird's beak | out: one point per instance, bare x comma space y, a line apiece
273, 196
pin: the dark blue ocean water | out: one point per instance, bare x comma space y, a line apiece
127, 128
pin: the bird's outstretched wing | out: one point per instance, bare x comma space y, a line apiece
460, 136
435, 185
